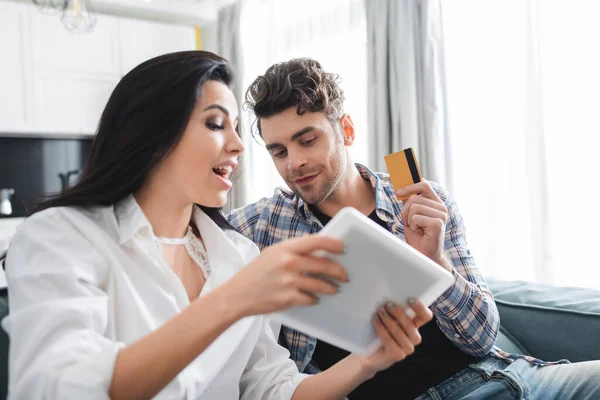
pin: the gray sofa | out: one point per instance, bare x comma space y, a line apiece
551, 323
548, 322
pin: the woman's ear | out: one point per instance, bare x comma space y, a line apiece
347, 129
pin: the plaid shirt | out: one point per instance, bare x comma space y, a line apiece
466, 312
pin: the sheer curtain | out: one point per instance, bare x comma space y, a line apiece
522, 78
407, 91
332, 32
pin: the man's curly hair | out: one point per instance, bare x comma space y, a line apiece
300, 83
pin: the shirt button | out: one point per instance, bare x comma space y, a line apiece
311, 347
456, 335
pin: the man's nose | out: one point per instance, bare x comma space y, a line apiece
296, 161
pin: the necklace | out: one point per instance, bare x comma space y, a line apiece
193, 245
175, 241
197, 251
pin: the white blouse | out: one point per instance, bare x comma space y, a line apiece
84, 283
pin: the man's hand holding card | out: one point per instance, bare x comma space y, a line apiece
424, 214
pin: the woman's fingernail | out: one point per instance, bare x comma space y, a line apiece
338, 286
383, 312
377, 319
399, 192
344, 250
317, 301
391, 305
412, 301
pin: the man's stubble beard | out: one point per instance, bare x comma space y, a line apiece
337, 174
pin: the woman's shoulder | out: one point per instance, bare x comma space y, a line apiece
58, 240
57, 236
63, 221
247, 248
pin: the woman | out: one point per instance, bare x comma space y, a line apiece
130, 284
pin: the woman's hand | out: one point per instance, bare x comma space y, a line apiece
284, 276
399, 334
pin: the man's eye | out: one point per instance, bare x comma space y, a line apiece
279, 154
309, 141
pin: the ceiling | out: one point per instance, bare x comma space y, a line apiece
197, 12
190, 12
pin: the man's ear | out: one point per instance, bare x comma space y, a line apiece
347, 129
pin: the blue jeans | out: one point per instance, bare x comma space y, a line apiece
492, 378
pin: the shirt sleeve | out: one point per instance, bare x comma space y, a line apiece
244, 219
58, 313
270, 373
466, 312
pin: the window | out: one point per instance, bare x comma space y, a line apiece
523, 86
333, 33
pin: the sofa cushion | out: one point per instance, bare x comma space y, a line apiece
548, 322
507, 342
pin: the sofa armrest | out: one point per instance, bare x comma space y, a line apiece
548, 322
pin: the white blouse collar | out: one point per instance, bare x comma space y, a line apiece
132, 220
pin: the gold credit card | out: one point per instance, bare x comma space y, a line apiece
403, 169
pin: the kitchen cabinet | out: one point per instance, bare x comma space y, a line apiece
54, 48
14, 68
70, 104
143, 40
73, 75
57, 83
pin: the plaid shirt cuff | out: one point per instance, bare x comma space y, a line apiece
451, 303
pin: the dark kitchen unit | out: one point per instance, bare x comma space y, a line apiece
31, 168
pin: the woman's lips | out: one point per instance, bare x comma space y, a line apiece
224, 181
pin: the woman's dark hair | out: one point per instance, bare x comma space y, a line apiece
300, 83
143, 121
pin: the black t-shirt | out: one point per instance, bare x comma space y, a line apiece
433, 361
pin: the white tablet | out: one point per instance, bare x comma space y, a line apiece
381, 267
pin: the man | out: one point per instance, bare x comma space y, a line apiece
299, 110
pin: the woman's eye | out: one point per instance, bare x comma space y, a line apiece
214, 126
